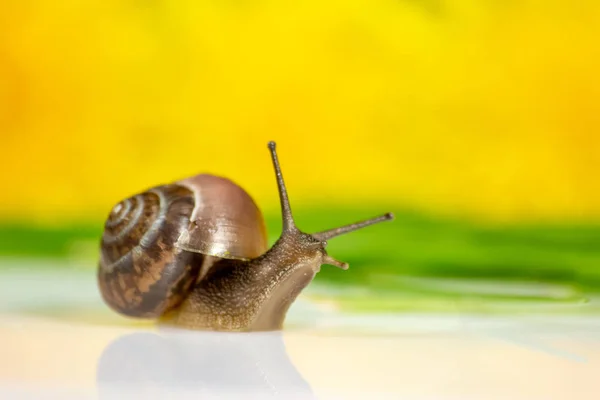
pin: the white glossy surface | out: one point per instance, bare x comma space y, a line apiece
59, 342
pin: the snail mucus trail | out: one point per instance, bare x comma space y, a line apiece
194, 254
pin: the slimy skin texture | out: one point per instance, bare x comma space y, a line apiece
251, 296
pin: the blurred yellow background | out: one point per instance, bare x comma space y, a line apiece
489, 109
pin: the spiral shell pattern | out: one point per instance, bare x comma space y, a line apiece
142, 273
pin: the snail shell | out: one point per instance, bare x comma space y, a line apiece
154, 243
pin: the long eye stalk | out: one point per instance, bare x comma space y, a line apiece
331, 233
286, 210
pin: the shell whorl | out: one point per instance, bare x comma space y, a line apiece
142, 273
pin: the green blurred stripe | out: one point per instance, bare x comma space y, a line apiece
413, 244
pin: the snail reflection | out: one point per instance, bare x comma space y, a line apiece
199, 365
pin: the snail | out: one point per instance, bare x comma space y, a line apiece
193, 254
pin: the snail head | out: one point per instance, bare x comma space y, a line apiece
315, 242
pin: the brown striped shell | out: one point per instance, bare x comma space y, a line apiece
154, 243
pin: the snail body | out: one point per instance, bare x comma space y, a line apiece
194, 254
